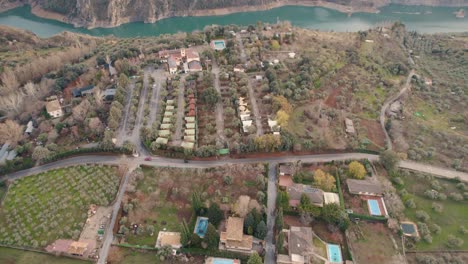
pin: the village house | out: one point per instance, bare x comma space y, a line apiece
285, 169
295, 192
299, 243
53, 107
83, 91
363, 187
234, 239
189, 58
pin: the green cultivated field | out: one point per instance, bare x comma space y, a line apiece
450, 219
39, 209
15, 256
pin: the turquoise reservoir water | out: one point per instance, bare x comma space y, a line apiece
423, 19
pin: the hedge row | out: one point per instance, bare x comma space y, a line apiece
73, 152
14, 166
382, 219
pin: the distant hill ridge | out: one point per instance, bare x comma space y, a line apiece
111, 13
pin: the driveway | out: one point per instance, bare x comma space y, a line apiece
219, 105
271, 214
253, 99
177, 137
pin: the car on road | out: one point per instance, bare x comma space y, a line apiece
148, 159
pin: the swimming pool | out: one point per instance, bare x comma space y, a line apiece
223, 261
201, 226
334, 253
219, 44
374, 208
409, 229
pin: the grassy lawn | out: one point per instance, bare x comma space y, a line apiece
42, 208
15, 256
120, 255
452, 217
319, 247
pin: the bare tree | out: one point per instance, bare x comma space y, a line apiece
10, 83
10, 131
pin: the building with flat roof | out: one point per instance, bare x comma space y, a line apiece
54, 109
171, 239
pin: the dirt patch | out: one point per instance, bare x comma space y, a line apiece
362, 241
322, 231
374, 132
331, 99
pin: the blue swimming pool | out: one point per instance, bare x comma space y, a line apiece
201, 226
222, 261
334, 253
219, 44
374, 208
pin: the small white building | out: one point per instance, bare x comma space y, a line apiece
29, 128
292, 55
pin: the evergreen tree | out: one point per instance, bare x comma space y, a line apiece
255, 259
261, 230
215, 215
211, 237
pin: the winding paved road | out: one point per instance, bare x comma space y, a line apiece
166, 162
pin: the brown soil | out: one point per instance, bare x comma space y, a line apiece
374, 132
331, 99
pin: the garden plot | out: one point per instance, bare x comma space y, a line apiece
51, 205
160, 198
374, 243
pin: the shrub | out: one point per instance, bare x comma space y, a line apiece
461, 186
463, 230
431, 194
427, 238
398, 181
260, 196
422, 215
456, 197
454, 242
357, 170
436, 185
425, 259
437, 207
227, 180
436, 229
410, 203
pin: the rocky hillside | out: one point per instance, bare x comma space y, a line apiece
108, 13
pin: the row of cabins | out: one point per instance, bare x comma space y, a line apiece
190, 124
188, 59
166, 124
244, 114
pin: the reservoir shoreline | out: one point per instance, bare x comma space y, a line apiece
424, 19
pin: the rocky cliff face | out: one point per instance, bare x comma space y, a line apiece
109, 13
